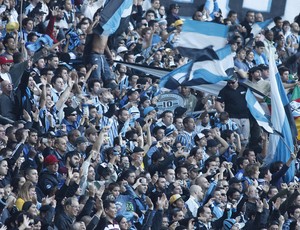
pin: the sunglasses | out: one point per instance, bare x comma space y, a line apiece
73, 114
231, 82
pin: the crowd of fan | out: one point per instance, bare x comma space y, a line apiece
83, 145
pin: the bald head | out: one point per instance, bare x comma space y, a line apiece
194, 188
6, 87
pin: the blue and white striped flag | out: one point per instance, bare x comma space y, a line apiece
212, 68
196, 35
175, 78
257, 112
113, 15
280, 146
259, 26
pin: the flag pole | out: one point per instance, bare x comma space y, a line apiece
20, 20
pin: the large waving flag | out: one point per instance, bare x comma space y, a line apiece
280, 146
196, 35
114, 14
207, 69
211, 68
257, 112
175, 78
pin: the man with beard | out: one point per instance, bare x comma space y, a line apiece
72, 159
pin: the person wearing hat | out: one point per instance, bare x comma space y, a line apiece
176, 201
150, 111
5, 63
137, 159
91, 134
265, 73
71, 118
173, 38
172, 14
132, 104
180, 111
106, 102
81, 145
122, 77
49, 179
255, 81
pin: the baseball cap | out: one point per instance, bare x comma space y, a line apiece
4, 60
194, 168
211, 143
137, 150
178, 22
80, 140
234, 180
263, 67
90, 130
132, 90
174, 198
200, 135
50, 160
174, 5
255, 68
122, 49
179, 111
148, 110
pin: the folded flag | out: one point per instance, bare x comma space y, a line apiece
257, 112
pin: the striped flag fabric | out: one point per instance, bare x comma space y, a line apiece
114, 14
211, 68
259, 26
280, 146
197, 35
176, 77
257, 112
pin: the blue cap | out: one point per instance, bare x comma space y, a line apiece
148, 110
